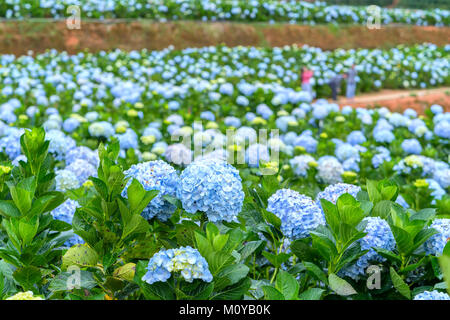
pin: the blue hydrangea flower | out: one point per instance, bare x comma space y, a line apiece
351, 164
436, 109
346, 151
443, 177
71, 124
306, 141
213, 187
299, 214
66, 180
432, 295
82, 170
10, 143
264, 111
411, 146
178, 154
330, 170
207, 115
333, 192
83, 153
383, 136
379, 235
185, 260
151, 131
232, 122
356, 137
435, 244
245, 134
300, 164
437, 191
256, 153
383, 155
155, 175
128, 140
101, 129
65, 213
442, 129
60, 144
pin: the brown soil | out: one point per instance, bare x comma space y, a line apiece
399, 100
38, 35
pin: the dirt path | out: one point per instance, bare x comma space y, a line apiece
399, 100
18, 37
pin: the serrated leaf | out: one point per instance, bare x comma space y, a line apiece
340, 286
399, 284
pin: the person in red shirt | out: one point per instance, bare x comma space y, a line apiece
306, 81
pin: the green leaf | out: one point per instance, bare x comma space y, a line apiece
389, 193
315, 271
444, 263
270, 293
66, 281
423, 236
23, 193
424, 214
399, 284
331, 215
388, 255
231, 275
287, 285
340, 286
312, 294
235, 292
373, 192
276, 260
271, 218
137, 224
138, 197
302, 250
27, 276
173, 200
100, 187
403, 239
249, 248
80, 255
8, 209
382, 209
28, 228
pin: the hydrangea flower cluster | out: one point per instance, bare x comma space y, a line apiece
432, 295
83, 153
211, 186
333, 192
379, 235
411, 146
298, 213
436, 243
186, 260
330, 170
65, 213
178, 154
301, 164
66, 180
155, 175
82, 170
28, 295
60, 144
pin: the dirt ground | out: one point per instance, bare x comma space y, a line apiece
18, 37
399, 100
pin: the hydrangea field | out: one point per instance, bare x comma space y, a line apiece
214, 173
208, 174
292, 11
